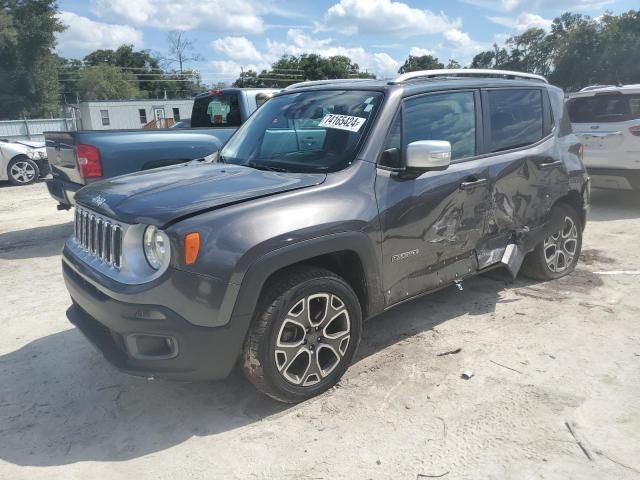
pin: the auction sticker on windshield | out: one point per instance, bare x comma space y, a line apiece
342, 122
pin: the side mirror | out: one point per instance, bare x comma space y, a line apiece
428, 155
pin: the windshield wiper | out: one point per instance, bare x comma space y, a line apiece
262, 166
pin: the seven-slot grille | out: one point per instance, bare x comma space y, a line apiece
99, 236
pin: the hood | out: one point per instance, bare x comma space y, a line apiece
30, 144
163, 195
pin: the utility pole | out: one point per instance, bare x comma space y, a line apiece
241, 76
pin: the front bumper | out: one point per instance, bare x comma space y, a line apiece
62, 191
615, 178
151, 340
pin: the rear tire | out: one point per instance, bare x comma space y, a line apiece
558, 254
22, 171
305, 333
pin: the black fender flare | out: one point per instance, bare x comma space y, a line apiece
259, 272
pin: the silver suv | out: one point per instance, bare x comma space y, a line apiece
607, 120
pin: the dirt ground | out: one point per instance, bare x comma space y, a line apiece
543, 355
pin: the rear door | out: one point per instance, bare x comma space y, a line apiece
431, 224
526, 169
608, 124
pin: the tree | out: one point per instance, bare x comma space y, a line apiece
576, 52
180, 50
453, 64
248, 79
483, 60
423, 62
28, 68
289, 69
106, 82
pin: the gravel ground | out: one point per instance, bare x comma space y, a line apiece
544, 356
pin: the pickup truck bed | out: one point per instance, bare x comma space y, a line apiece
124, 151
80, 158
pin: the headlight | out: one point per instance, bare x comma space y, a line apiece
156, 246
42, 154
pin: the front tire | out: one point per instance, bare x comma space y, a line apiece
305, 333
22, 171
558, 254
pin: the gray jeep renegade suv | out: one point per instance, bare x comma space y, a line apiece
334, 202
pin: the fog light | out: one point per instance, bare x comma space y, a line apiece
152, 347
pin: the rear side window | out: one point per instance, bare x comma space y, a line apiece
217, 110
516, 118
613, 107
448, 116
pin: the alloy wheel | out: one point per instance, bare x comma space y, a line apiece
313, 339
560, 248
23, 172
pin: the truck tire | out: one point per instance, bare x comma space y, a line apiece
558, 254
22, 171
305, 333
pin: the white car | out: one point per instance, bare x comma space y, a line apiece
22, 162
607, 120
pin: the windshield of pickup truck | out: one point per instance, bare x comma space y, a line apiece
219, 109
314, 131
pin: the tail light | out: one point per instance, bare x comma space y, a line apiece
577, 149
635, 131
89, 161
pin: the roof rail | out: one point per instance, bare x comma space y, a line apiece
597, 87
454, 72
312, 83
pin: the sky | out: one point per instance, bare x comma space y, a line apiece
376, 34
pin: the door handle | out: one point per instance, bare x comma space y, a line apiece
473, 183
557, 163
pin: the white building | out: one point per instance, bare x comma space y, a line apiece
117, 114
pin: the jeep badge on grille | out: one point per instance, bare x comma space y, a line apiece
98, 200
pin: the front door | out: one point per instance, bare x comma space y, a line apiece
431, 224
158, 115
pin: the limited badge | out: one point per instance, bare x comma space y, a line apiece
342, 122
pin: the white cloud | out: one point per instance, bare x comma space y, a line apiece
185, 15
420, 52
384, 17
555, 5
297, 42
237, 48
84, 35
230, 69
523, 22
462, 47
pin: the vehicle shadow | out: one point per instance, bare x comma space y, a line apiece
609, 205
61, 403
8, 184
34, 242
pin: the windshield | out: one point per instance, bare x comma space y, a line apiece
608, 108
304, 132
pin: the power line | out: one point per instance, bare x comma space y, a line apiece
135, 81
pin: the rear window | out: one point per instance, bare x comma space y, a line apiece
516, 118
217, 110
614, 107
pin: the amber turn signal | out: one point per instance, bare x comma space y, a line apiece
191, 247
